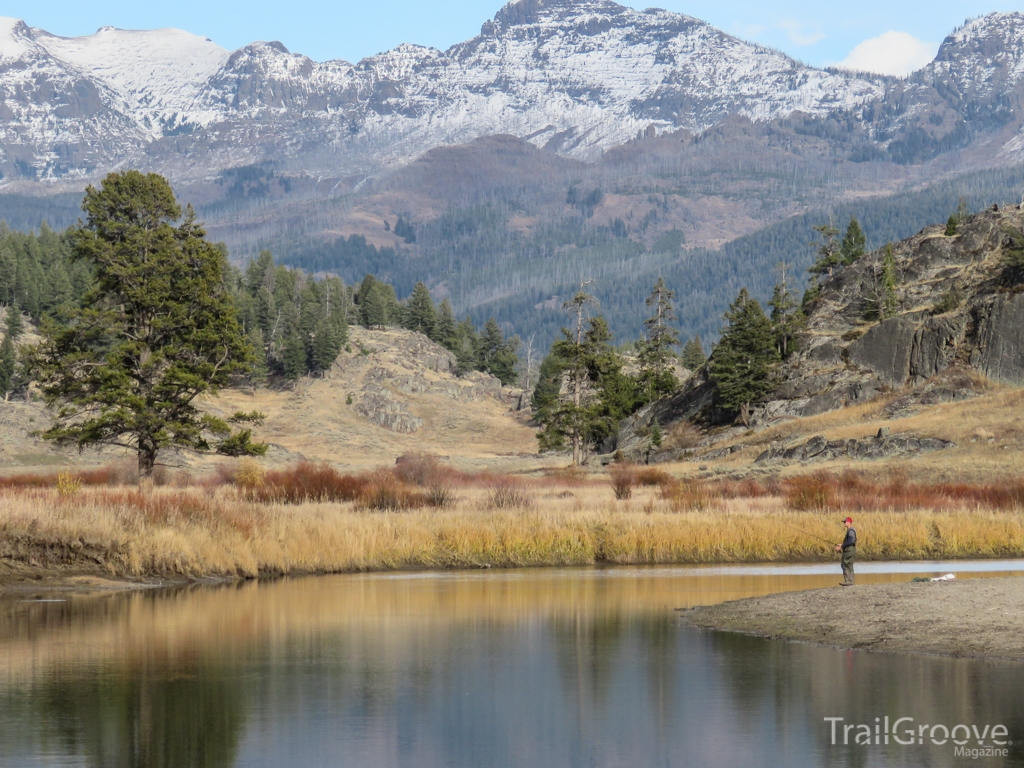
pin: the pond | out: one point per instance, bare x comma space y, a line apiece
545, 667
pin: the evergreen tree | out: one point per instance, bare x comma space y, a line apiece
158, 330
405, 230
466, 347
373, 306
260, 273
569, 419
497, 356
336, 301
15, 326
743, 363
293, 356
545, 398
258, 371
267, 314
325, 347
656, 434
954, 220
311, 315
657, 375
582, 394
787, 319
444, 329
420, 313
8, 366
614, 395
693, 357
854, 242
829, 252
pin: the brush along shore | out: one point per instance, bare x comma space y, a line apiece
416, 516
973, 617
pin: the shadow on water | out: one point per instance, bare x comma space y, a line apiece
584, 667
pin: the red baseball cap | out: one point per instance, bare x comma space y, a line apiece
848, 520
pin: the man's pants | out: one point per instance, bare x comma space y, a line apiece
848, 554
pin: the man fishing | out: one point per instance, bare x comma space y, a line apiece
849, 550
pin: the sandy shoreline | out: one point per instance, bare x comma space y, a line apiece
972, 617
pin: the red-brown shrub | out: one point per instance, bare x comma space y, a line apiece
652, 476
28, 480
689, 495
423, 469
815, 492
623, 479
307, 481
508, 493
386, 493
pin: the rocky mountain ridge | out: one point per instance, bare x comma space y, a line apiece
573, 76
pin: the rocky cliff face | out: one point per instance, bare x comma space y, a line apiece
960, 313
574, 76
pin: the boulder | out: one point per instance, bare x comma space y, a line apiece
882, 446
935, 344
886, 350
999, 353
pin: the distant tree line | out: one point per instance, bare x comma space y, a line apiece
296, 323
521, 278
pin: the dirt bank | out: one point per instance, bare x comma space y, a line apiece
976, 617
31, 579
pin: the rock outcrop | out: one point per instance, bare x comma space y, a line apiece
880, 447
959, 319
384, 365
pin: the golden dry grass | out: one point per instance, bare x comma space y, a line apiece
988, 431
196, 532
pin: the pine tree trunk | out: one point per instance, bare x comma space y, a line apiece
147, 457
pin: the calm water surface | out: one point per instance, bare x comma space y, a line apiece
538, 668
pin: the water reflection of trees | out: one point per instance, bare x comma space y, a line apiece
149, 717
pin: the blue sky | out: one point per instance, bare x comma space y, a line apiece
817, 32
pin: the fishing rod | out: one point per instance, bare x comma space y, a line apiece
805, 533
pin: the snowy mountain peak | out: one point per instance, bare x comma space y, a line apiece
520, 12
15, 38
575, 77
983, 56
989, 25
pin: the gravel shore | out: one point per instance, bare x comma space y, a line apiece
973, 617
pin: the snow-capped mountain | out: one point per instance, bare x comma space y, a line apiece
574, 76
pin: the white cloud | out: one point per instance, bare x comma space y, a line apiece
891, 53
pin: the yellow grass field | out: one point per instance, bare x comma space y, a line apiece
129, 532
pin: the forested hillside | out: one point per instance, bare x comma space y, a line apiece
471, 256
489, 269
297, 323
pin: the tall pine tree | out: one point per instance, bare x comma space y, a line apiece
787, 319
445, 327
693, 356
497, 355
568, 421
420, 315
158, 330
854, 242
743, 363
655, 358
8, 366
